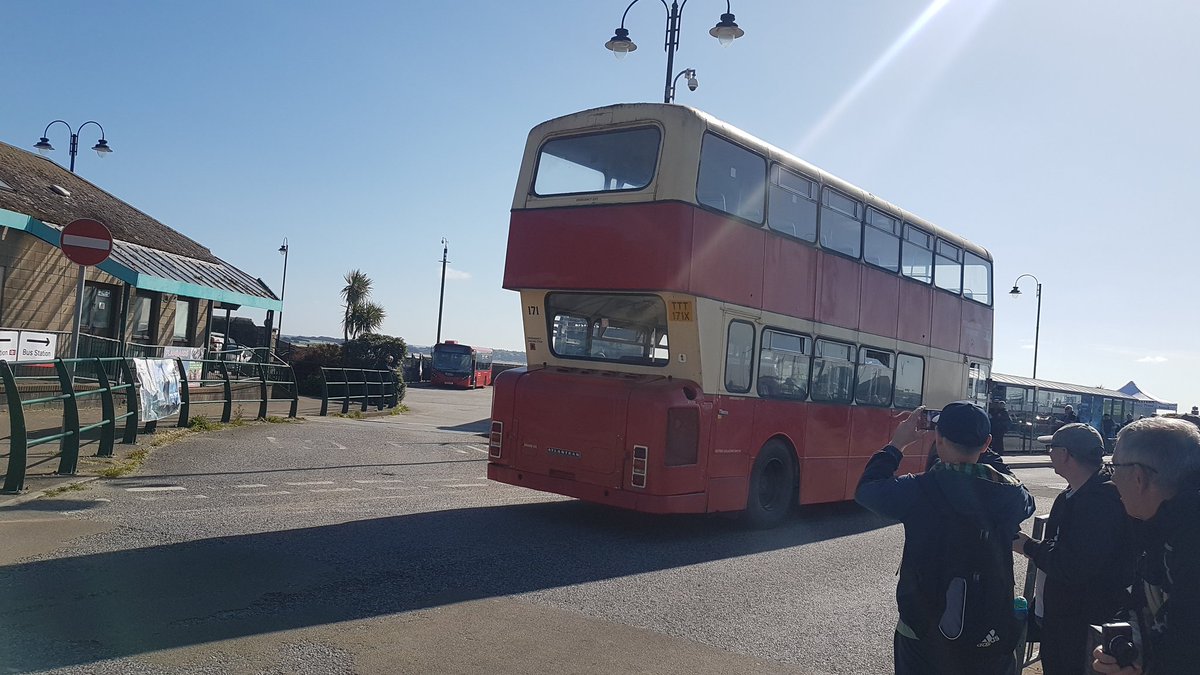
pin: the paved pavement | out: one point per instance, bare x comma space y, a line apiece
376, 546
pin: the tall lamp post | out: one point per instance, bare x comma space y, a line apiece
442, 294
726, 31
1015, 292
101, 147
283, 287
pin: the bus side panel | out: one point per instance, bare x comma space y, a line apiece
632, 247
733, 449
916, 313
871, 430
826, 445
724, 257
977, 330
947, 321
838, 281
789, 278
879, 303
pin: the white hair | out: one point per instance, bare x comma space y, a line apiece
1170, 446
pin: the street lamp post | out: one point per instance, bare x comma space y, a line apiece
1037, 327
726, 31
101, 147
442, 294
283, 287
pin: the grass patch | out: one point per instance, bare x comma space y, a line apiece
73, 487
202, 423
353, 414
128, 465
272, 419
399, 410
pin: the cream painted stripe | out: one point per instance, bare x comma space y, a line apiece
86, 242
164, 488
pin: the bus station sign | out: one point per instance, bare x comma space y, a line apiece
8, 344
32, 346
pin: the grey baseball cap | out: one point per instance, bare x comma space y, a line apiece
1081, 440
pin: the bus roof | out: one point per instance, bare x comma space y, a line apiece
679, 116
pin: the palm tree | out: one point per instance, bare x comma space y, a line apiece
367, 317
354, 294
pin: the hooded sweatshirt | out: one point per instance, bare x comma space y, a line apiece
994, 500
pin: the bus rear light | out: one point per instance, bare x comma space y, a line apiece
641, 456
496, 439
683, 436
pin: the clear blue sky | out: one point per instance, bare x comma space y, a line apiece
1059, 135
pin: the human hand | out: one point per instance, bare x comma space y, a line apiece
908, 432
1107, 664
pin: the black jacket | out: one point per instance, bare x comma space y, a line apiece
1166, 597
1088, 555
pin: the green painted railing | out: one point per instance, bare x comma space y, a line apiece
68, 373
358, 384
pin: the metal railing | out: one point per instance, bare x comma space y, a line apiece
358, 384
67, 381
68, 373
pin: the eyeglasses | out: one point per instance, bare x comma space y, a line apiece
1114, 465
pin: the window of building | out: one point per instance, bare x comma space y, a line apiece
99, 309
977, 279
185, 318
732, 179
833, 372
947, 273
620, 328
739, 357
881, 240
916, 260
841, 223
910, 380
606, 162
783, 365
874, 377
144, 315
792, 207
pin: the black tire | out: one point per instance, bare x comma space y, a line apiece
772, 486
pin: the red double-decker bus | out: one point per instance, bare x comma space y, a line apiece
459, 365
713, 324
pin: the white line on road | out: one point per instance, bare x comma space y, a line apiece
397, 487
381, 480
312, 482
370, 499
251, 485
460, 451
260, 494
477, 448
273, 441
162, 488
342, 489
467, 485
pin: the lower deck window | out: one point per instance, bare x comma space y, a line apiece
608, 327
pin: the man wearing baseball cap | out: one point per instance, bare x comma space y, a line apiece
1087, 554
957, 489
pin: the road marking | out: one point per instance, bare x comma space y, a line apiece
381, 480
337, 445
198, 496
460, 451
251, 485
260, 494
341, 489
312, 482
483, 450
273, 441
397, 487
163, 488
467, 485
371, 499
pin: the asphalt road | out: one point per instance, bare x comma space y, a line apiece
336, 545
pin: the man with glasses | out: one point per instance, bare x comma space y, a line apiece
1086, 556
1156, 468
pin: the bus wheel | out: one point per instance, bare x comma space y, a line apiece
772, 486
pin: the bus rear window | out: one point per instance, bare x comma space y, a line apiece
602, 327
605, 162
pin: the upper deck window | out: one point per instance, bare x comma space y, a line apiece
916, 262
792, 208
881, 240
610, 161
947, 272
841, 223
977, 279
732, 179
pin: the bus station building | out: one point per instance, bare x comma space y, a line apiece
157, 289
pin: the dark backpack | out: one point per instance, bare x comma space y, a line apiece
964, 599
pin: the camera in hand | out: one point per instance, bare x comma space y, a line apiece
929, 419
1117, 641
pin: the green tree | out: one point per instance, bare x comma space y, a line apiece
366, 317
354, 295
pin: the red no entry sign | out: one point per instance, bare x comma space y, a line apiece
86, 242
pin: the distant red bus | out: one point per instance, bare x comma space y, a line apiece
802, 313
458, 365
